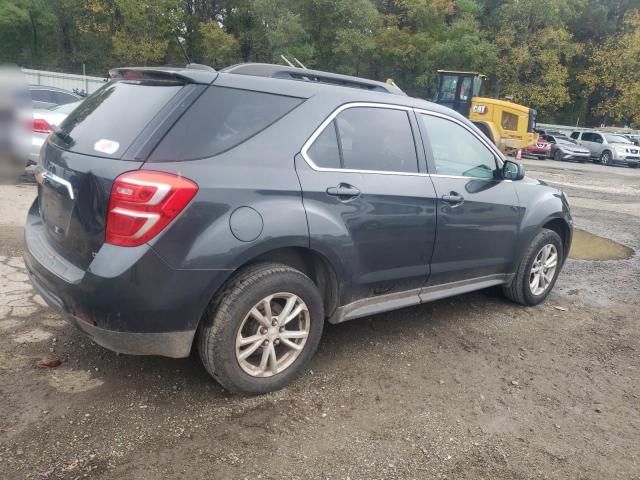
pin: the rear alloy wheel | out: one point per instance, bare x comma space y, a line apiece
605, 158
261, 329
272, 335
538, 270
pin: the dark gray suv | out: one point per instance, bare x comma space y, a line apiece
239, 210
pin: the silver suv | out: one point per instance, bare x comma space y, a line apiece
609, 148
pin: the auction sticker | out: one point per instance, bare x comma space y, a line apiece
106, 146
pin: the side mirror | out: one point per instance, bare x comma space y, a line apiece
512, 170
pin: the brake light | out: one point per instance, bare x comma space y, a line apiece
40, 125
143, 203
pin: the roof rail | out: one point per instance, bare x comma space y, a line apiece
307, 75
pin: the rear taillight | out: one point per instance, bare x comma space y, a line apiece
142, 203
40, 125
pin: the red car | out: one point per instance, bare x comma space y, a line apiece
540, 148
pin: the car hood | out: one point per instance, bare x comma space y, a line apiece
572, 147
624, 145
534, 181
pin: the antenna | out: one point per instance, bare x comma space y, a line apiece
184, 52
287, 61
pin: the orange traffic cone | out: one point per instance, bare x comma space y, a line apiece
519, 154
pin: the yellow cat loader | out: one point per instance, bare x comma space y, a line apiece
509, 125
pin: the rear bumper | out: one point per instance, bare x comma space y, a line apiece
128, 300
168, 344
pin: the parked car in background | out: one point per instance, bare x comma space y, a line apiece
608, 148
45, 121
564, 148
46, 97
633, 138
236, 211
540, 149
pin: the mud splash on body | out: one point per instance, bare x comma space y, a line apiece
587, 246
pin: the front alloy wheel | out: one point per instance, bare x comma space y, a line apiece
543, 269
557, 156
538, 269
605, 158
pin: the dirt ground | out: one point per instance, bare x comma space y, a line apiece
472, 387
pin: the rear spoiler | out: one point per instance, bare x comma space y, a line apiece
192, 73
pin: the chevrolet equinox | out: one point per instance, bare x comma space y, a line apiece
237, 210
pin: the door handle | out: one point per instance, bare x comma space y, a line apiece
344, 191
453, 198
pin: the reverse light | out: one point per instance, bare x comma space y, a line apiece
143, 203
40, 125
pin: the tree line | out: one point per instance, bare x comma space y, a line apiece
575, 61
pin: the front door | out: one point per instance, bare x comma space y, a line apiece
478, 213
369, 207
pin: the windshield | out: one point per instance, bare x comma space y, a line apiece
616, 139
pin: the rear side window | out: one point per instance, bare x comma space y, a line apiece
221, 119
325, 151
368, 139
108, 121
575, 135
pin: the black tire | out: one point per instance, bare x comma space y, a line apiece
557, 156
542, 157
582, 161
219, 328
606, 158
519, 290
633, 165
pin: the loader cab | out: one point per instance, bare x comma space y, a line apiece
456, 89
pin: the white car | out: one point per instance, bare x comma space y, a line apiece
609, 148
45, 121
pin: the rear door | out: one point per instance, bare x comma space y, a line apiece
370, 207
478, 213
107, 135
586, 140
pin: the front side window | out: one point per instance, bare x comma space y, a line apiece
456, 151
448, 86
369, 139
587, 137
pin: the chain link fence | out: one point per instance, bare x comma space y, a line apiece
66, 81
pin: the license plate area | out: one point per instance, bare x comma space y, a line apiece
56, 207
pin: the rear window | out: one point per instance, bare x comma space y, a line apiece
219, 120
108, 121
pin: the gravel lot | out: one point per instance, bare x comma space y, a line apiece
465, 388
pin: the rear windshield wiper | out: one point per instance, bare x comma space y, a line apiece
64, 136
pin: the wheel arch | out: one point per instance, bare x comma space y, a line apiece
310, 262
561, 227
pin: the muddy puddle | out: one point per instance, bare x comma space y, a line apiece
587, 246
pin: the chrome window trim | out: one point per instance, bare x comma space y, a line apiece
318, 131
330, 118
492, 148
